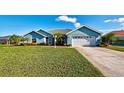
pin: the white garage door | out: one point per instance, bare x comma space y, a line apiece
83, 41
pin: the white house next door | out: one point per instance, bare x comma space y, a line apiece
83, 41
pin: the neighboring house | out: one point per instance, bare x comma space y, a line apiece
4, 40
82, 36
119, 34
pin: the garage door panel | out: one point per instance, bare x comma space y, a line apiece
83, 41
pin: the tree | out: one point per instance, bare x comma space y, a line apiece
107, 38
14, 39
23, 39
59, 38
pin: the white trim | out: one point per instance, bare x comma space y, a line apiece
44, 40
84, 26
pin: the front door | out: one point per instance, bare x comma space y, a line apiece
46, 40
34, 40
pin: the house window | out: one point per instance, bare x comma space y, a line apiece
34, 40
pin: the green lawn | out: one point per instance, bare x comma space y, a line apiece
44, 61
118, 48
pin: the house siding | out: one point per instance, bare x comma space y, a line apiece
121, 38
39, 38
84, 31
42, 36
29, 36
50, 40
50, 36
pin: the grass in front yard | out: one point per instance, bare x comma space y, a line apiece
44, 61
118, 48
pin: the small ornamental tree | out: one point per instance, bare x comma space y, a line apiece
107, 39
23, 39
14, 39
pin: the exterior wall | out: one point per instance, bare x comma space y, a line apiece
50, 36
50, 41
120, 42
39, 38
3, 41
84, 31
121, 38
29, 36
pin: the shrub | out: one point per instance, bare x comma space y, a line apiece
103, 44
41, 44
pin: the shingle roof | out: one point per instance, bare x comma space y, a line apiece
44, 32
63, 31
118, 33
4, 37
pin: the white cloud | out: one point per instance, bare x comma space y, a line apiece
106, 21
119, 20
116, 20
122, 24
111, 20
67, 19
77, 25
73, 20
109, 30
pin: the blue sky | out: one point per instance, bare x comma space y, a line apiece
22, 24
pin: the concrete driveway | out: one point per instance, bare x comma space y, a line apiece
109, 62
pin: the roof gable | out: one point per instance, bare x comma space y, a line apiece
35, 32
85, 27
44, 32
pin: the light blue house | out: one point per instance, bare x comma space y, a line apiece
39, 37
82, 36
